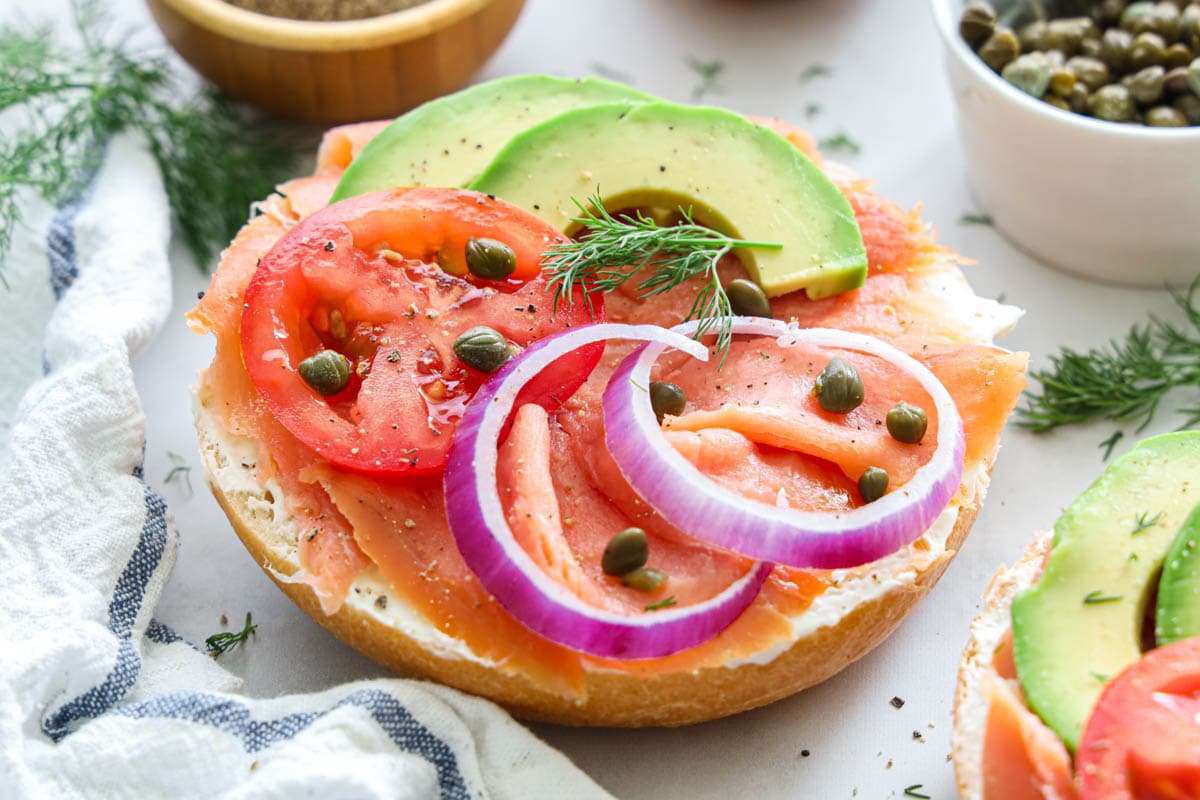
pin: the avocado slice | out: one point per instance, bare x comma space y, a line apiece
1081, 623
1178, 613
448, 141
737, 177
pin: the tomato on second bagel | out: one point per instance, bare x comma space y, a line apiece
382, 279
1142, 741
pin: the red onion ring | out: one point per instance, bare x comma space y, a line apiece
690, 501
486, 542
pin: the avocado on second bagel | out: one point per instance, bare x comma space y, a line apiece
1081, 623
732, 175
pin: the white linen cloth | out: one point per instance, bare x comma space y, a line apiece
97, 698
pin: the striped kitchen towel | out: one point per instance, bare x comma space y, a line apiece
97, 698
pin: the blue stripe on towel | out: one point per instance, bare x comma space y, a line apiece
233, 717
161, 634
122, 612
60, 247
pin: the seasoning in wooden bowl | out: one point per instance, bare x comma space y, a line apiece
325, 10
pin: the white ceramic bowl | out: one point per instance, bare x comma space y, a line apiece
1118, 203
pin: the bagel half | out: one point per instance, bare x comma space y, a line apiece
987, 632
854, 614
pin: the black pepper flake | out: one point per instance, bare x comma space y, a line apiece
491, 197
199, 295
896, 702
531, 308
662, 167
805, 754
330, 247
381, 601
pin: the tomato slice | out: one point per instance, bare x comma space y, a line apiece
1142, 741
382, 279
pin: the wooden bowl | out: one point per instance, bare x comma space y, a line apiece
371, 68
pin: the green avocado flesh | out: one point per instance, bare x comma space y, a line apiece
448, 141
1178, 613
1081, 623
737, 177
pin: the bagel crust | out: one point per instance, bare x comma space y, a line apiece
987, 631
612, 698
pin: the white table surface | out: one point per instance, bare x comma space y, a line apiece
888, 92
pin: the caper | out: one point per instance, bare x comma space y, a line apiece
1189, 23
490, 259
1030, 73
1112, 103
1116, 50
1057, 102
483, 348
625, 552
1065, 35
1091, 72
1079, 98
1165, 117
872, 484
1177, 55
839, 388
1062, 82
747, 299
1090, 48
1176, 81
644, 579
1147, 85
1138, 17
907, 423
1148, 49
1189, 106
666, 398
327, 372
1032, 37
1111, 9
1194, 76
1164, 20
977, 22
1000, 48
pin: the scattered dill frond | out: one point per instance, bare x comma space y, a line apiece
709, 72
1144, 522
220, 643
916, 791
971, 218
668, 602
840, 142
1124, 381
1097, 596
70, 101
1111, 442
605, 71
612, 250
816, 71
179, 471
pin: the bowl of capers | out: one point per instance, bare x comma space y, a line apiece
1081, 123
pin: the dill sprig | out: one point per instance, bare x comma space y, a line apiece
612, 250
709, 73
220, 643
215, 158
1124, 381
